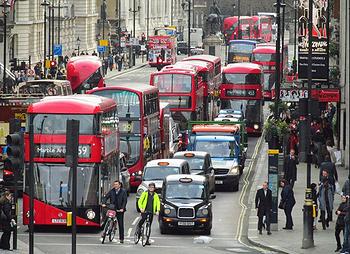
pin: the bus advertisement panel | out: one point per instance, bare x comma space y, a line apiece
182, 88
139, 124
98, 164
241, 90
85, 73
240, 50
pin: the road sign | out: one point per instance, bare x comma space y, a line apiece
103, 42
101, 49
57, 49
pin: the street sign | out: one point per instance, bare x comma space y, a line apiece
101, 49
57, 49
103, 42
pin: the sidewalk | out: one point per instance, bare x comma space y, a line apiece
22, 248
285, 241
138, 64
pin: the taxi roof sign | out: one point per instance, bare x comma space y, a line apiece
189, 155
185, 180
163, 163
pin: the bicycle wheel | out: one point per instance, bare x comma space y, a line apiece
105, 230
145, 234
112, 231
136, 236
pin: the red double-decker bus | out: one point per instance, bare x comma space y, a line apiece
241, 90
246, 27
183, 88
84, 73
139, 124
262, 28
230, 28
98, 164
161, 50
265, 55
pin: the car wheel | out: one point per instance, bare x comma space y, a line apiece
207, 231
235, 187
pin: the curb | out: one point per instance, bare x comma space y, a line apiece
126, 71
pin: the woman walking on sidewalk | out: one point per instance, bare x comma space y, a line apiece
288, 201
325, 197
5, 220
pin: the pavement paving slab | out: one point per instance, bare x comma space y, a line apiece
290, 241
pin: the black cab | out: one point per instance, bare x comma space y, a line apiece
186, 204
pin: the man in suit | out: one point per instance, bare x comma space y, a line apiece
290, 167
118, 198
263, 202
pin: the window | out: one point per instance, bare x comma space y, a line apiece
264, 57
173, 83
151, 104
241, 78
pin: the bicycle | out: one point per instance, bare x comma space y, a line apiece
144, 232
110, 227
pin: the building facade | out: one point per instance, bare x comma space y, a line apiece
345, 79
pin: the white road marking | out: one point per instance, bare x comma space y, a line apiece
135, 221
129, 232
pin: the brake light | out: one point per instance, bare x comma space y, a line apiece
7, 172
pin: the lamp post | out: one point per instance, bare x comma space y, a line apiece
78, 45
233, 9
134, 11
239, 19
282, 34
5, 5
308, 238
45, 3
119, 26
183, 5
52, 30
295, 37
147, 25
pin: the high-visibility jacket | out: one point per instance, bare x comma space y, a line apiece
142, 203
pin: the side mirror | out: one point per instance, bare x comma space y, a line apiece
212, 196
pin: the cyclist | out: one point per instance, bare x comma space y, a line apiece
149, 204
118, 198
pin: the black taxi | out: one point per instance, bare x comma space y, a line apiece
186, 204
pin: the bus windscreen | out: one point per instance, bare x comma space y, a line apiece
241, 78
173, 83
264, 57
241, 48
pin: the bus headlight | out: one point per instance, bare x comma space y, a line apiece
256, 126
90, 214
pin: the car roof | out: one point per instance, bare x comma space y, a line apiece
176, 178
172, 162
196, 154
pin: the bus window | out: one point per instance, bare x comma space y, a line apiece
241, 78
176, 83
151, 102
130, 147
264, 57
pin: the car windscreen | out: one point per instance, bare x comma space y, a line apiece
178, 190
220, 149
159, 173
196, 163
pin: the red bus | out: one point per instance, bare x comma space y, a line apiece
246, 27
139, 127
265, 55
262, 28
98, 164
85, 73
241, 90
161, 50
230, 28
183, 89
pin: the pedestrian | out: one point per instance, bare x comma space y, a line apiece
37, 69
118, 198
5, 220
105, 66
263, 203
126, 61
290, 167
328, 131
288, 202
325, 197
346, 246
293, 140
94, 53
119, 61
148, 204
110, 62
340, 224
314, 204
330, 168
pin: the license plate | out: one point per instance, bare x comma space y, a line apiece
185, 223
61, 221
219, 182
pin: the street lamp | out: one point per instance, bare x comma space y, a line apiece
239, 19
78, 45
295, 37
45, 3
233, 9
5, 5
183, 5
283, 6
134, 10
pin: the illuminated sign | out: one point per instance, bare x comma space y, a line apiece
59, 151
241, 92
240, 58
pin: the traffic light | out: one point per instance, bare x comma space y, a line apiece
15, 151
53, 64
23, 66
13, 64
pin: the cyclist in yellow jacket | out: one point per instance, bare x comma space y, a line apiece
149, 204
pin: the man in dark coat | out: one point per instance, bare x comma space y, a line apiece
330, 167
290, 168
118, 198
263, 202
